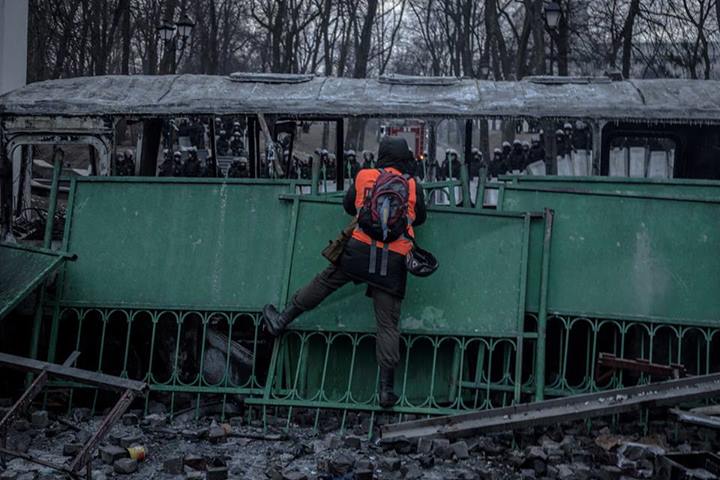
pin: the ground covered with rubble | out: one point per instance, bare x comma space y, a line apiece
239, 447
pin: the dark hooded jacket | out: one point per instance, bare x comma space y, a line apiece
393, 153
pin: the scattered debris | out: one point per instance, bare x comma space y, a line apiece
40, 418
699, 465
697, 418
563, 409
641, 365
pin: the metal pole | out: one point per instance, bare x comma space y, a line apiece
252, 147
58, 156
339, 155
315, 176
542, 313
213, 146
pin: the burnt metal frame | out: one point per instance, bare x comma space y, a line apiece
130, 389
637, 365
559, 410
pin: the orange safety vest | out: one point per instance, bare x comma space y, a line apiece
364, 182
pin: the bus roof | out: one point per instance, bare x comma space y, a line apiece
664, 100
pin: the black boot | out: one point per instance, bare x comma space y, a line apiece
387, 380
275, 322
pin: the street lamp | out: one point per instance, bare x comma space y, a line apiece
185, 27
552, 15
167, 32
553, 12
484, 68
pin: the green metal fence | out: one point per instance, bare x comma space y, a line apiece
463, 327
635, 275
22, 269
172, 275
676, 188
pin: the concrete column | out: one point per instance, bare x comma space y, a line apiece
13, 44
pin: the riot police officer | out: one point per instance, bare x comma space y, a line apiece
351, 164
517, 157
477, 162
192, 167
537, 152
125, 166
497, 165
368, 159
237, 168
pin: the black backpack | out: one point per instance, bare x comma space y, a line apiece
384, 213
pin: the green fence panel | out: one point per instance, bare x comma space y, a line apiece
177, 243
677, 188
628, 257
21, 270
479, 288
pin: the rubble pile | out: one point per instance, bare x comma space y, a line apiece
155, 446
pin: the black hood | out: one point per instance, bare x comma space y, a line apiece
394, 152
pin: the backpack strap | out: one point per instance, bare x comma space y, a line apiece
373, 257
384, 260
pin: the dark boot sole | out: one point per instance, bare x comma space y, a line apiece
267, 326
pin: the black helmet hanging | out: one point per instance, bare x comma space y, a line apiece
421, 263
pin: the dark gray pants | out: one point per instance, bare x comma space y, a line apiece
387, 311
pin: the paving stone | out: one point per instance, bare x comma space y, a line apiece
111, 453
424, 445
130, 419
40, 419
411, 471
334, 442
195, 476
217, 435
21, 425
401, 445
20, 442
125, 466
174, 465
441, 448
98, 475
364, 464
130, 440
353, 442
427, 461
460, 450
237, 421
294, 475
80, 414
154, 419
464, 474
195, 462
340, 464
489, 446
389, 464
194, 434
71, 449
157, 408
362, 474
217, 473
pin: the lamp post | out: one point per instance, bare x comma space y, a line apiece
175, 37
553, 12
484, 68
